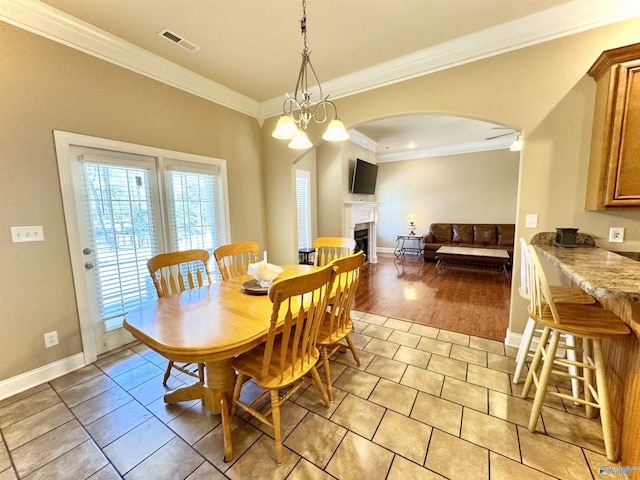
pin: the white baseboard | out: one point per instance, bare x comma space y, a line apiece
385, 250
41, 375
512, 339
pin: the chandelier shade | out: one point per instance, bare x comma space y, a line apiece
300, 141
299, 110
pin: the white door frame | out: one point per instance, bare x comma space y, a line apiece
63, 143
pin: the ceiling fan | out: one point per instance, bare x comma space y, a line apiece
511, 132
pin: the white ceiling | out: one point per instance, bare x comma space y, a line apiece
249, 51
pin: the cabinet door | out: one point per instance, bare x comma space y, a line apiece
623, 175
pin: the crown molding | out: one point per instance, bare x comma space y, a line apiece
483, 146
51, 23
362, 140
566, 19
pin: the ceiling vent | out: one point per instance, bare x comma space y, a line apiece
178, 40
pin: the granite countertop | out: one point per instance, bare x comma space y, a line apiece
598, 272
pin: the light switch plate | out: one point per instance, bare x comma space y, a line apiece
616, 235
531, 221
27, 234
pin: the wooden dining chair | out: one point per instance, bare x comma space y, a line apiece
561, 295
173, 273
287, 355
233, 259
337, 322
591, 324
330, 248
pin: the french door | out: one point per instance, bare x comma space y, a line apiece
123, 204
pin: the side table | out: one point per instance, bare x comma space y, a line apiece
305, 256
409, 245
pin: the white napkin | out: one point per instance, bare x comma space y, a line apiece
265, 273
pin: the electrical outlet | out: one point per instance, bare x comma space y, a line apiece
616, 234
27, 234
51, 339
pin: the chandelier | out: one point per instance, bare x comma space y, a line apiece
300, 110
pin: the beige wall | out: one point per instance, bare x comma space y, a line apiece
336, 161
476, 187
542, 90
45, 86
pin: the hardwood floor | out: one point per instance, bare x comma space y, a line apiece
474, 303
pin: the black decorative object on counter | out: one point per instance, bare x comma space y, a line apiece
566, 237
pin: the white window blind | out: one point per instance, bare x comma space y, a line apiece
123, 226
303, 206
194, 219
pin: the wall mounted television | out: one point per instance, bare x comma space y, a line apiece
365, 175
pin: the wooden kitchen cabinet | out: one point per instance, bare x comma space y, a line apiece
614, 167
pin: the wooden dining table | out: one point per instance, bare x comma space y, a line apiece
210, 325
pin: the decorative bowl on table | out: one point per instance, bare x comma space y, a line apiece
264, 274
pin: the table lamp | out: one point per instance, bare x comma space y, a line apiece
411, 218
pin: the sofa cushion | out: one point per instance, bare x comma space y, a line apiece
484, 234
506, 233
462, 233
442, 232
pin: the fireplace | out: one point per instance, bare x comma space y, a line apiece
361, 236
361, 222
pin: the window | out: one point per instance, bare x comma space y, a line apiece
125, 225
303, 205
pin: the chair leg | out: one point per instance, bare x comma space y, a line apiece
318, 382
167, 373
535, 362
201, 373
523, 350
610, 442
236, 391
327, 372
543, 381
226, 429
353, 350
275, 418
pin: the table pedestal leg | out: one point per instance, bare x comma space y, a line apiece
221, 379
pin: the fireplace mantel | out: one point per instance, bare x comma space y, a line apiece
363, 212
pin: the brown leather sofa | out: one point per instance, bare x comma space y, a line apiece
476, 235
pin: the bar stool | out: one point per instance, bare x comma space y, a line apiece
561, 295
591, 324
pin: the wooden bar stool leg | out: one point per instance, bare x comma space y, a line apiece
570, 340
588, 378
610, 442
536, 361
543, 381
523, 350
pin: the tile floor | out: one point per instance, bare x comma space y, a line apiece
424, 404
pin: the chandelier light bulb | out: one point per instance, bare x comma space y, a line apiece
336, 131
300, 141
285, 129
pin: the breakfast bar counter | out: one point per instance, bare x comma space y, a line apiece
614, 281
